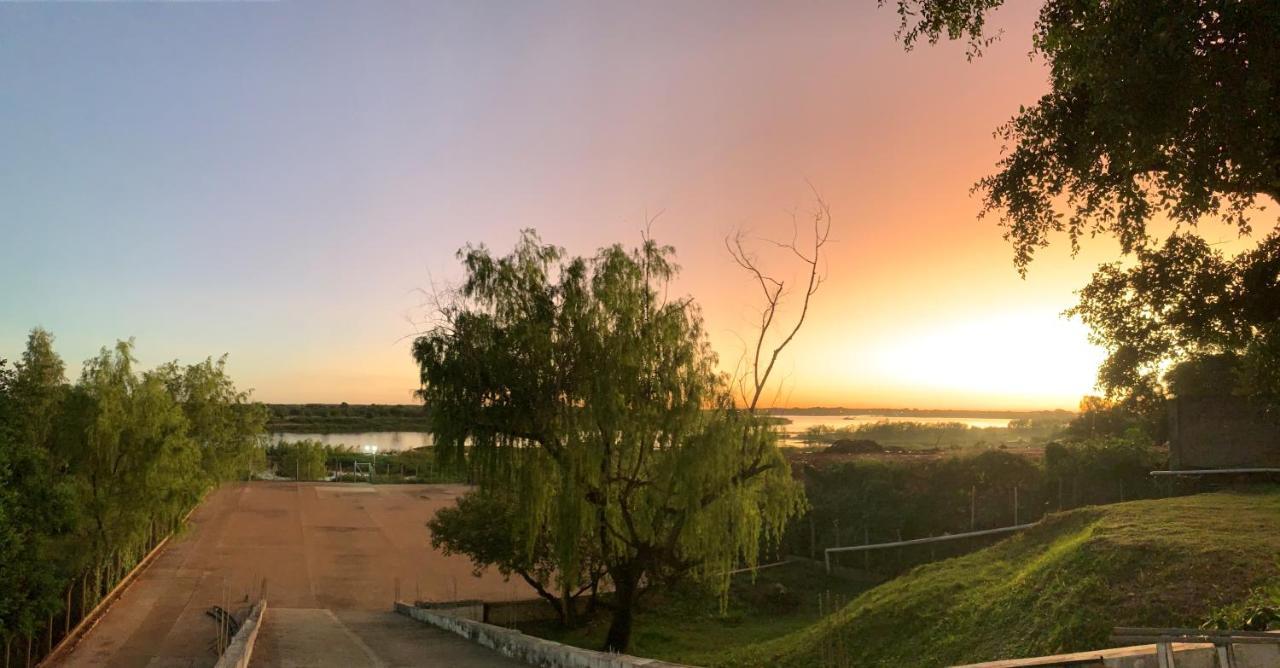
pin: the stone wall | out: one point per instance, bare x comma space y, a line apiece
1222, 432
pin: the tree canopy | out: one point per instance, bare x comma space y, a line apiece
36, 513
1154, 108
1187, 314
92, 472
488, 526
579, 385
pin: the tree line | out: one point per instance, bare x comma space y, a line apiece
93, 472
345, 418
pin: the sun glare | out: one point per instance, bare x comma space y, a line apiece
1020, 358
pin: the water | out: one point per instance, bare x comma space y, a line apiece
799, 423
383, 441
386, 441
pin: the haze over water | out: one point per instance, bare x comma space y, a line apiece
387, 441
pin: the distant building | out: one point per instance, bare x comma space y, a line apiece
1220, 432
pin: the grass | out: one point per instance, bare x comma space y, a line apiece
1059, 587
688, 626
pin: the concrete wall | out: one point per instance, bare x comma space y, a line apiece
1222, 432
501, 613
531, 650
240, 651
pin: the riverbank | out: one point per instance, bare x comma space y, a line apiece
345, 418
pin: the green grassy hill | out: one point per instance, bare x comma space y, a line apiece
1059, 587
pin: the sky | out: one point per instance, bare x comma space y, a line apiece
280, 181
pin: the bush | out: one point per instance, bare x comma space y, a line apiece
1103, 470
303, 460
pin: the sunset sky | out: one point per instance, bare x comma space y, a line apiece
277, 180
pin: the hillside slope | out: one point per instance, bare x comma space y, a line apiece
1059, 587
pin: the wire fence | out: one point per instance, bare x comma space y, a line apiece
86, 596
889, 537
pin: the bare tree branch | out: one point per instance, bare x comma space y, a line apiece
764, 357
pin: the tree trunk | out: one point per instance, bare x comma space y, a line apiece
624, 599
550, 598
570, 607
595, 588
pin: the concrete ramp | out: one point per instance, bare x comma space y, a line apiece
307, 637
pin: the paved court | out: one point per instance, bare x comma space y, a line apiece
298, 638
328, 557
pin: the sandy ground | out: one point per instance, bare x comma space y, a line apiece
313, 548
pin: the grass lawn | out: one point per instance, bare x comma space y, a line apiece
1059, 587
689, 627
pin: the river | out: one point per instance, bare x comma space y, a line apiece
385, 441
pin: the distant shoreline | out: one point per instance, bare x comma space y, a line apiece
368, 418
920, 412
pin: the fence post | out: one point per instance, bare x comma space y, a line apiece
1015, 505
973, 492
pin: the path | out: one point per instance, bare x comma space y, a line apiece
322, 548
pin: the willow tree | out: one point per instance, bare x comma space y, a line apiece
222, 419
579, 384
133, 455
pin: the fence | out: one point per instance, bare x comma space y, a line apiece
921, 541
899, 502
970, 523
981, 515
86, 598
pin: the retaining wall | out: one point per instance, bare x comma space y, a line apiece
239, 651
526, 648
